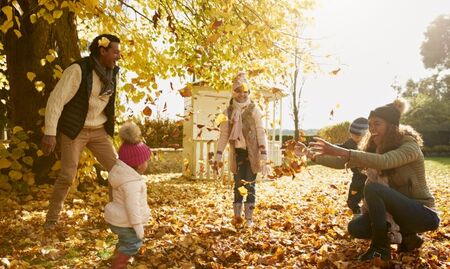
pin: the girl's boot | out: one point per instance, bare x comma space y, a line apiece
237, 209
249, 207
120, 260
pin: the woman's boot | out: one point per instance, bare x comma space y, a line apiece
379, 247
410, 242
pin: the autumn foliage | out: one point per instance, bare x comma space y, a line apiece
299, 223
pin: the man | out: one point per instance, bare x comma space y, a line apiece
80, 110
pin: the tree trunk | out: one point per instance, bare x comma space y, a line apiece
24, 55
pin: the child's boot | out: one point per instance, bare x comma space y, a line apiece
120, 260
249, 207
237, 209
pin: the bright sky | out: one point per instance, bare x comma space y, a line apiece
375, 43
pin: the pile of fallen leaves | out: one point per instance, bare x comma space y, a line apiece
299, 223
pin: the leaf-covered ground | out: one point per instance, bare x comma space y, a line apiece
299, 223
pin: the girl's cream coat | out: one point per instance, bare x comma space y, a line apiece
129, 206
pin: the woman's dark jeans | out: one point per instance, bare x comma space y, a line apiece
244, 172
410, 215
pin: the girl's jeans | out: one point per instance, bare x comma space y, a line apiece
244, 172
410, 215
129, 243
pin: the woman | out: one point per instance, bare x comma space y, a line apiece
394, 150
248, 142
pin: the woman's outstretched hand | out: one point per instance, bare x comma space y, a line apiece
323, 147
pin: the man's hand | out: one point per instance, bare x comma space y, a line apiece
48, 144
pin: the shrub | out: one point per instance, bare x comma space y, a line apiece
162, 133
335, 134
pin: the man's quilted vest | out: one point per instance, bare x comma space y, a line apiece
75, 111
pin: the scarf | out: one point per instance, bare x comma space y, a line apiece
106, 77
236, 134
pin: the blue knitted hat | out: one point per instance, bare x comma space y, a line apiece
359, 126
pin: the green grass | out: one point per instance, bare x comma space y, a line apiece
443, 162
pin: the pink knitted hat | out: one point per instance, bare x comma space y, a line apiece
132, 151
134, 154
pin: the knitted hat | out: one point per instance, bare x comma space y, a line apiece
132, 151
359, 126
390, 112
241, 81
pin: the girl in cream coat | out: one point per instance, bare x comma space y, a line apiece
128, 212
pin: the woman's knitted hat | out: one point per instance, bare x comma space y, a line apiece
359, 126
390, 112
132, 151
241, 81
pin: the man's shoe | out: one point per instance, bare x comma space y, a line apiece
410, 242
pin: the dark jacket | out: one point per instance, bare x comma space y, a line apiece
357, 175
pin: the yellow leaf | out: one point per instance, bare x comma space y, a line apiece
17, 6
8, 10
243, 190
29, 179
50, 58
6, 26
18, 33
99, 244
17, 129
31, 76
28, 160
39, 153
13, 174
56, 166
64, 4
104, 174
43, 62
57, 14
103, 42
220, 118
41, 111
39, 85
33, 18
4, 163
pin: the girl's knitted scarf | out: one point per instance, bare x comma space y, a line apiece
236, 134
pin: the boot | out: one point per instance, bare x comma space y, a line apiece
410, 242
379, 247
120, 260
249, 207
237, 209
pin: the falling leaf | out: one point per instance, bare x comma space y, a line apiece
335, 72
31, 76
147, 111
243, 190
8, 11
50, 58
103, 42
33, 18
219, 119
165, 107
186, 91
39, 85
